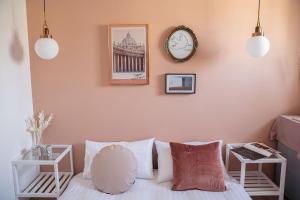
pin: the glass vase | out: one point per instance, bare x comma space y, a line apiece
36, 151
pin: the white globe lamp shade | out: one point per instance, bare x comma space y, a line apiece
258, 46
46, 48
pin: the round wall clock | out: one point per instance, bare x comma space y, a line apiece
181, 44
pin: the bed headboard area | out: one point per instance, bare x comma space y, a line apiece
236, 97
79, 149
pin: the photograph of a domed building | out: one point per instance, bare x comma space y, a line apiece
129, 54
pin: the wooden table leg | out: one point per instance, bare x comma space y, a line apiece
259, 169
243, 174
227, 158
282, 180
56, 175
16, 180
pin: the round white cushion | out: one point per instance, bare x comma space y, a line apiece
114, 169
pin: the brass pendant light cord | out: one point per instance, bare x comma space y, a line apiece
44, 10
258, 29
45, 33
258, 14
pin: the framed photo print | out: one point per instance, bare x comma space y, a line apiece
180, 83
129, 54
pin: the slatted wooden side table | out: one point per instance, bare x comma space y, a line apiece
256, 183
45, 184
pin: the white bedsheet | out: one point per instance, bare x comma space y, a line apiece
82, 189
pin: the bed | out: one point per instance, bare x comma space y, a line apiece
80, 188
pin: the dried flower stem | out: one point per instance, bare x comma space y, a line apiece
37, 125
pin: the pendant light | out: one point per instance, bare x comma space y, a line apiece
46, 47
258, 45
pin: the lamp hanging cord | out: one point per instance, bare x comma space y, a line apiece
258, 14
258, 29
44, 10
45, 33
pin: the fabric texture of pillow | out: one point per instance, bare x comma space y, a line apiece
197, 167
142, 151
165, 163
113, 169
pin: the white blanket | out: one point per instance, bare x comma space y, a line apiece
82, 189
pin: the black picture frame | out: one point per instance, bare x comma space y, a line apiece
184, 86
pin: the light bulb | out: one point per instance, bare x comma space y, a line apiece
46, 48
258, 46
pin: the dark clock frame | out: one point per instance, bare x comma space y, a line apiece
195, 43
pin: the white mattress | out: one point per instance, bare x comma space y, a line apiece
82, 189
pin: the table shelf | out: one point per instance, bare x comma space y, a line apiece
44, 185
256, 183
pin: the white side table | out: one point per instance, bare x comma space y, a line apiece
45, 184
256, 183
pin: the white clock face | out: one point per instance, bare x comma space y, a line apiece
180, 44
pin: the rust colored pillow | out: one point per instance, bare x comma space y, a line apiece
197, 167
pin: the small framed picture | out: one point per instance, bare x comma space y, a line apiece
129, 54
180, 83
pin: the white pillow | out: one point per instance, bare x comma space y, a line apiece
142, 151
165, 162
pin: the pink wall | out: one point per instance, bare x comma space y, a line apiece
237, 97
